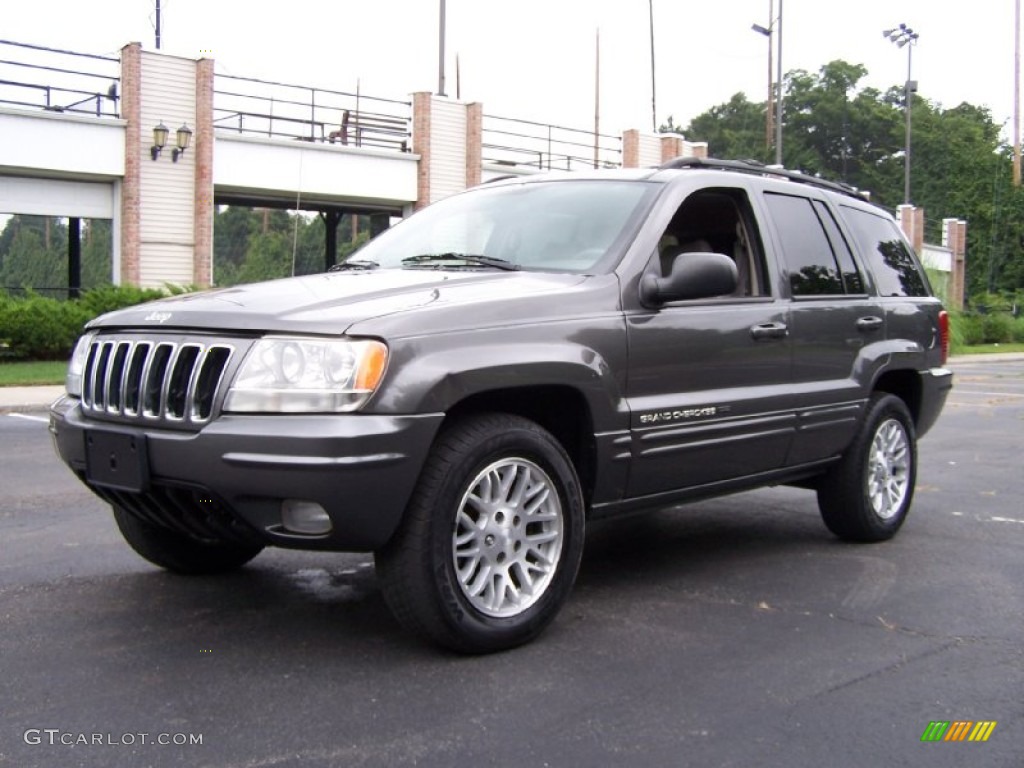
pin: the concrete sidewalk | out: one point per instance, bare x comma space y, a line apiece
15, 399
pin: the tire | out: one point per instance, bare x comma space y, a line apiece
867, 495
490, 544
181, 554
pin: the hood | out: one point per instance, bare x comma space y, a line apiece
330, 303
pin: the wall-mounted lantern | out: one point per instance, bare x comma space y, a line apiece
183, 138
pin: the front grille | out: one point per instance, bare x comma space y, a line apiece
148, 380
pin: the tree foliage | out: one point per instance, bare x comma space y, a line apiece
250, 244
960, 167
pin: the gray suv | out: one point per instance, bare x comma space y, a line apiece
467, 391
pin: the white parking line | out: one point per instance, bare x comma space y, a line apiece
29, 417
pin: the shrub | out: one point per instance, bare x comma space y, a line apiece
997, 328
1018, 330
37, 328
99, 301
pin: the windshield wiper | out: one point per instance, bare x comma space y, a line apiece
445, 259
354, 264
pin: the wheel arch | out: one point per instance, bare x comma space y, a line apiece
906, 385
560, 409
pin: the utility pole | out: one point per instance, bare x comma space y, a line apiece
654, 90
440, 53
1016, 94
597, 100
779, 97
158, 25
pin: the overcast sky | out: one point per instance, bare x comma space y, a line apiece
534, 59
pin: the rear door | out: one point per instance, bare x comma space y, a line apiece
837, 327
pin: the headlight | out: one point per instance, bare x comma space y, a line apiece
295, 375
73, 382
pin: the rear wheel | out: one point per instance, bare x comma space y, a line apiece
181, 554
491, 542
867, 495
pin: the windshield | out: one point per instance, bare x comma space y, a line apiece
565, 226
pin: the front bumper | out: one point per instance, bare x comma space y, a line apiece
229, 479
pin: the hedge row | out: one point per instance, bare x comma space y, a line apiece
993, 328
35, 327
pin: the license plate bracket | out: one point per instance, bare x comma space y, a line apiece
117, 460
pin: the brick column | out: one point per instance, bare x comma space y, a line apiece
911, 221
131, 110
671, 147
631, 148
421, 145
474, 143
202, 141
954, 237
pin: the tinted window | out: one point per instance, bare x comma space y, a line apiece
852, 280
806, 250
894, 266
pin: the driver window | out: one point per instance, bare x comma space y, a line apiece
717, 221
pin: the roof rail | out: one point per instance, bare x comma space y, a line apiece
760, 169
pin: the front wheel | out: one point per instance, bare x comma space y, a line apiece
867, 495
492, 539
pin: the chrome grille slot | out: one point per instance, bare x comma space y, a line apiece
130, 379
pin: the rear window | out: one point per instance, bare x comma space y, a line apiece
895, 267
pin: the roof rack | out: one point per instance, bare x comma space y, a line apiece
760, 169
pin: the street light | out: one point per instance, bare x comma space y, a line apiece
775, 26
768, 32
904, 36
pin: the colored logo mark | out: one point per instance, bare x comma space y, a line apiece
958, 730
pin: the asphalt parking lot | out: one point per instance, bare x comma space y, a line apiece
735, 632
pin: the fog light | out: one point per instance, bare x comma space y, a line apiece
308, 517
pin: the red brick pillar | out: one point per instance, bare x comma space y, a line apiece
671, 147
421, 145
954, 237
912, 223
474, 143
202, 142
131, 110
631, 148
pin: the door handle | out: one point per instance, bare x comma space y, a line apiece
868, 324
769, 331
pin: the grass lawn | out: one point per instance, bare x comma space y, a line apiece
23, 374
983, 349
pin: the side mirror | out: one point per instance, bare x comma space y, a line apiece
693, 276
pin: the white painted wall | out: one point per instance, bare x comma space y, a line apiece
650, 150
167, 189
57, 197
447, 148
936, 257
321, 172
59, 144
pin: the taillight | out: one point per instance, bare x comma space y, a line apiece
944, 335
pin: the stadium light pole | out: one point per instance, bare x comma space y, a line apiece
904, 37
768, 32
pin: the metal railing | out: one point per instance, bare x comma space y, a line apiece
523, 143
283, 110
37, 77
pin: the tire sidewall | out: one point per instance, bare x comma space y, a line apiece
488, 632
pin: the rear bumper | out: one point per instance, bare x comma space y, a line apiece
229, 479
936, 384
